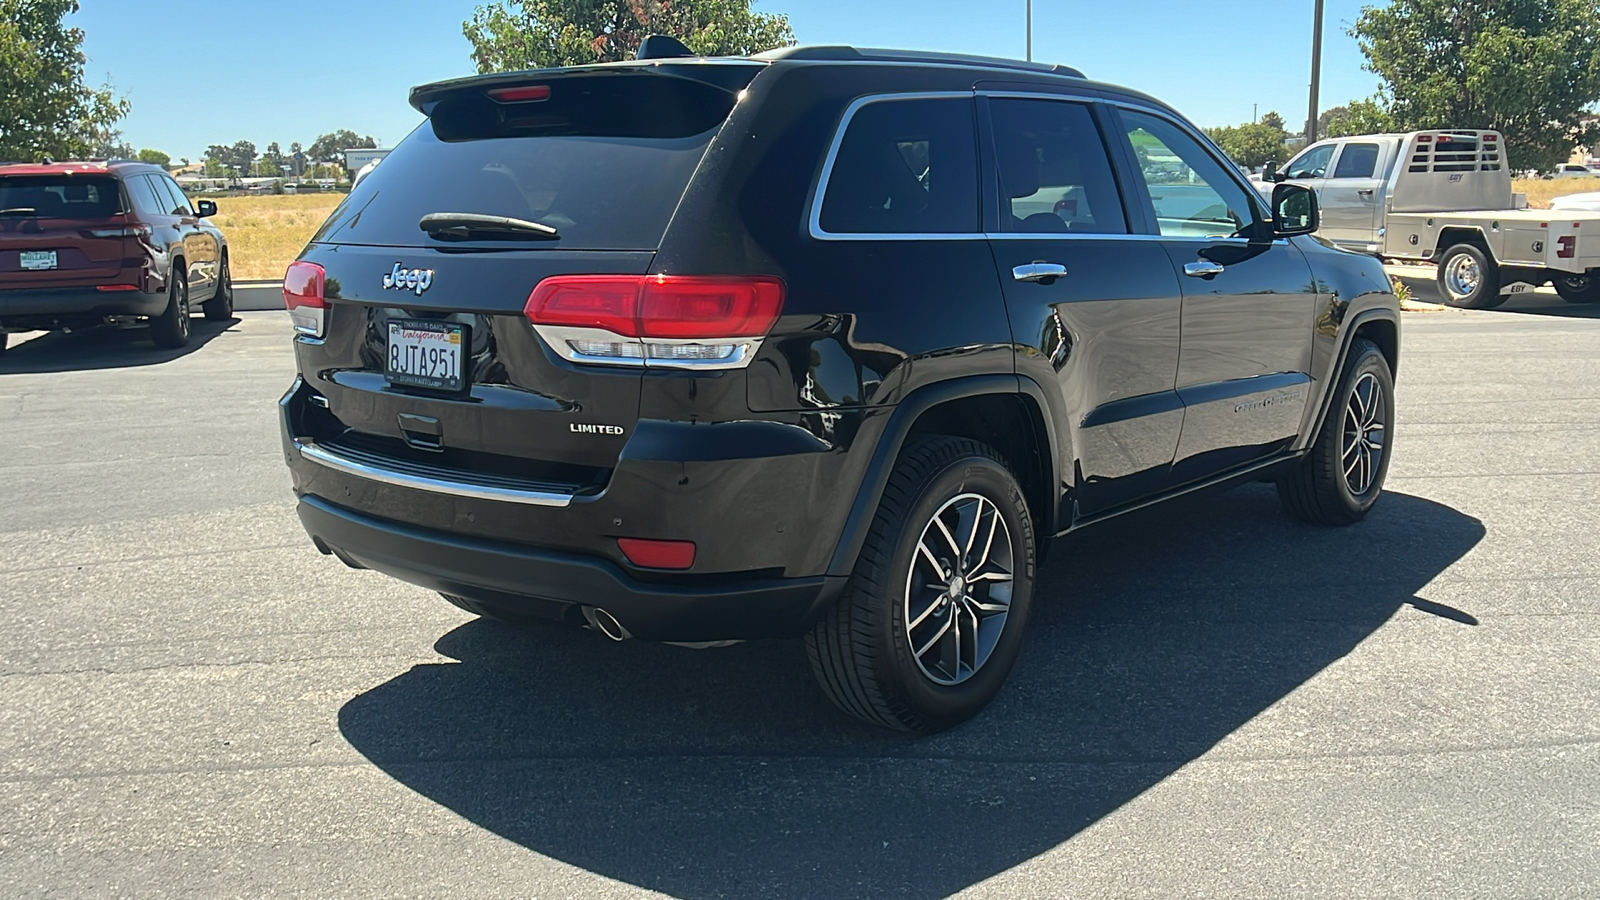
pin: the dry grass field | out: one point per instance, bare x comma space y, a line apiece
266, 233
1541, 192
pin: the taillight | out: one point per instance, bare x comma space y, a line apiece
303, 297
682, 321
133, 231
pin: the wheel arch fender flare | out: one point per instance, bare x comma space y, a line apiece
1347, 339
1451, 235
897, 430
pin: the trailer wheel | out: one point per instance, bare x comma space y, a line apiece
1468, 278
1578, 288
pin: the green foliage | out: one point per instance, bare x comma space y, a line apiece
154, 157
1253, 143
1528, 68
1273, 120
1360, 117
331, 147
45, 108
240, 156
536, 34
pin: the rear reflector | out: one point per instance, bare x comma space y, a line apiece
650, 554
526, 94
116, 287
303, 297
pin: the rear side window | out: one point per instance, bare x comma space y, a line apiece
145, 198
59, 196
1357, 161
604, 161
1053, 169
905, 167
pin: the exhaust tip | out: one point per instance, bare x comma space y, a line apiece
605, 623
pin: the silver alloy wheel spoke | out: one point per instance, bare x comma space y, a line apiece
1361, 451
955, 626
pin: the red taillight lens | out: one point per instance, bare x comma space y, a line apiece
526, 94
303, 285
609, 302
116, 287
710, 308
649, 554
660, 306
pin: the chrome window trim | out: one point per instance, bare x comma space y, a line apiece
311, 452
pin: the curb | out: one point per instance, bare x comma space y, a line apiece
253, 296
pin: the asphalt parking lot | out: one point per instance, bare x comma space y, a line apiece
1214, 700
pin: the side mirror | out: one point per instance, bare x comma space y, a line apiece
1294, 210
1270, 172
205, 208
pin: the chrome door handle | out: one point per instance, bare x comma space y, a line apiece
1365, 192
1039, 272
1203, 268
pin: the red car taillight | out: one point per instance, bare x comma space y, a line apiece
133, 231
302, 296
694, 321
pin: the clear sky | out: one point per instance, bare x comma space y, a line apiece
293, 69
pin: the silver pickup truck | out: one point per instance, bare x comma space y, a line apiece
1445, 198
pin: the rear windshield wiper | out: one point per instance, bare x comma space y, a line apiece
19, 211
449, 226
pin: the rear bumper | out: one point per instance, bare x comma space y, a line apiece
44, 304
540, 582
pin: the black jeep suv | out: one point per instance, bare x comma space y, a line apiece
826, 343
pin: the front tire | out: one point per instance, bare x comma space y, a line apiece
171, 329
220, 307
1468, 278
1578, 288
932, 619
1339, 480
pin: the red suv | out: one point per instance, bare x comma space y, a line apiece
90, 243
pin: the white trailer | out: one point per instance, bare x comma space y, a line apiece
1444, 198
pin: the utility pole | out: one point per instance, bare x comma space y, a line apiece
1030, 29
1316, 75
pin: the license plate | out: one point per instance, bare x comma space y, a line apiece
36, 260
426, 355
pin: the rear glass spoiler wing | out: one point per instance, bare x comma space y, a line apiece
731, 75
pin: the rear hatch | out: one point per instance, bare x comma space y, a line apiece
62, 230
590, 165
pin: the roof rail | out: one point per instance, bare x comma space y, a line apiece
843, 53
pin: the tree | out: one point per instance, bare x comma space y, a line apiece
45, 108
534, 34
154, 158
272, 160
1360, 117
331, 147
1251, 144
1273, 120
1527, 68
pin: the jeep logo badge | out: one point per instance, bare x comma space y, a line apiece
413, 280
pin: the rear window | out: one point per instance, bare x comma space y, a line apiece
602, 161
59, 196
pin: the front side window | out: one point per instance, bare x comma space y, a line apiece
1055, 177
181, 205
1311, 164
1189, 191
1357, 161
905, 167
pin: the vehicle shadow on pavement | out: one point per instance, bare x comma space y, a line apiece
102, 348
725, 773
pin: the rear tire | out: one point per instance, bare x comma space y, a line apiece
1578, 288
946, 498
1339, 480
220, 307
1468, 278
171, 329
